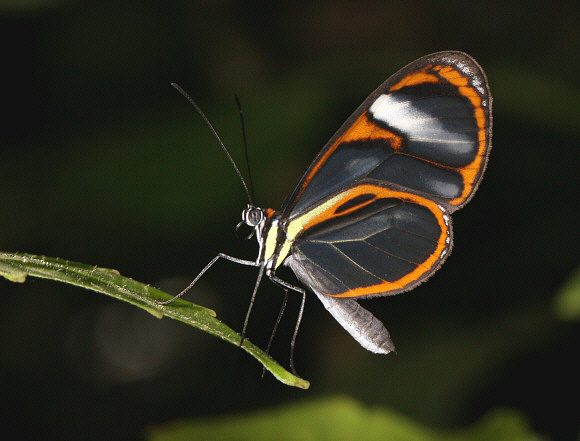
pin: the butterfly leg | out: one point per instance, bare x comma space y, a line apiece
252, 299
285, 285
278, 319
203, 271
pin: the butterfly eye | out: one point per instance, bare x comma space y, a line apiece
253, 216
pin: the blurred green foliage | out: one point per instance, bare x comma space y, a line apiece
567, 302
338, 419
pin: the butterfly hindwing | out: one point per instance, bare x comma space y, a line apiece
369, 240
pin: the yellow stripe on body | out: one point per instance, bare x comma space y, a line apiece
271, 237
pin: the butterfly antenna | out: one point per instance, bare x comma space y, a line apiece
239, 104
216, 136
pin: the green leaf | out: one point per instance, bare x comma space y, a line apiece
16, 267
338, 419
567, 302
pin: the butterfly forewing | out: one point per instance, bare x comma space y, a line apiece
426, 130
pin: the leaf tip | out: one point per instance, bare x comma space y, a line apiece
14, 276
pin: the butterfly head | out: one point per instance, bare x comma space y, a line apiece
253, 217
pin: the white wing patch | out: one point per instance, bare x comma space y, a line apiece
401, 114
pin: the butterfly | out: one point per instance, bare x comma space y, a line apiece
371, 216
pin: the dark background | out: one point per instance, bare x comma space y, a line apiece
104, 163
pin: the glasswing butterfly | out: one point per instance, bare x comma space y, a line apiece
371, 216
